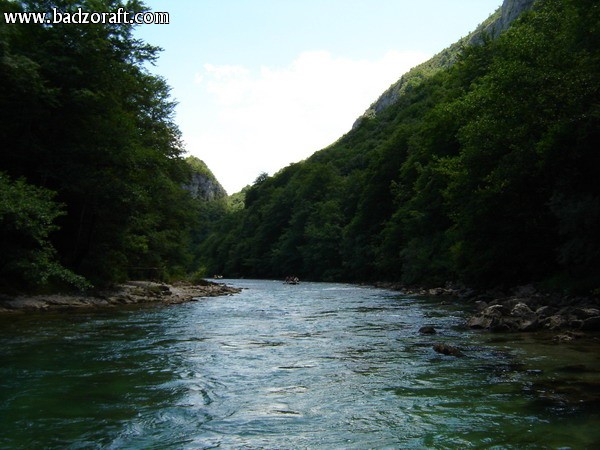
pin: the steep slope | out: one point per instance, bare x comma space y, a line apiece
481, 173
91, 134
498, 22
203, 184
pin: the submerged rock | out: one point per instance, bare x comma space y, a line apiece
427, 330
449, 350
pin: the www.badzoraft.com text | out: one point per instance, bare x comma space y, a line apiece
56, 16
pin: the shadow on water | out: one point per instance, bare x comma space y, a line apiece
78, 377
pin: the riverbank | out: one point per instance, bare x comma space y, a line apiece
130, 293
522, 309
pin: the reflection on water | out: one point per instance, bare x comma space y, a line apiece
308, 366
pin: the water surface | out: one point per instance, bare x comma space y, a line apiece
314, 365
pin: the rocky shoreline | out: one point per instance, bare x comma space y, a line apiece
130, 293
523, 309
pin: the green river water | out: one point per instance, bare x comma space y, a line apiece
315, 365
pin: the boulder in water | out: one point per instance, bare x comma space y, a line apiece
446, 349
427, 330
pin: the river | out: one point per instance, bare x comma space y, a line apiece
313, 365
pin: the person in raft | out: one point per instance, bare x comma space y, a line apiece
292, 280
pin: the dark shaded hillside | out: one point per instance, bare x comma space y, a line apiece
483, 173
91, 167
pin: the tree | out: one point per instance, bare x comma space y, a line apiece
82, 116
27, 216
484, 172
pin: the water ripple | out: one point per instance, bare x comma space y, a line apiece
309, 366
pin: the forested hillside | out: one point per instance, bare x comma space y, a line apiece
483, 173
91, 169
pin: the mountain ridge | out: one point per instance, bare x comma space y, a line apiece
482, 174
495, 24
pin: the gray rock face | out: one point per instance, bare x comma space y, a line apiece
510, 10
202, 186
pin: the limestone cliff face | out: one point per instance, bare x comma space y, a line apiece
509, 11
203, 184
204, 187
493, 26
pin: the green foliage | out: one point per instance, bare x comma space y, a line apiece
483, 171
197, 278
27, 216
81, 116
200, 167
236, 202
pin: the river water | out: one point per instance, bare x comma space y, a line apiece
314, 365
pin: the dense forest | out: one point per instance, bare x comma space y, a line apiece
485, 173
92, 173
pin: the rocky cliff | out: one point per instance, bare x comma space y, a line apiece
203, 183
205, 188
508, 12
492, 27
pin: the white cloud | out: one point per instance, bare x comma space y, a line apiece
263, 121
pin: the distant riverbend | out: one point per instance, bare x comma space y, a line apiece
312, 365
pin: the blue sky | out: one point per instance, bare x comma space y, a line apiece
264, 83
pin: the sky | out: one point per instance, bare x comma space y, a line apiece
261, 84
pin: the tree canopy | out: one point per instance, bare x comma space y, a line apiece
483, 173
90, 142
